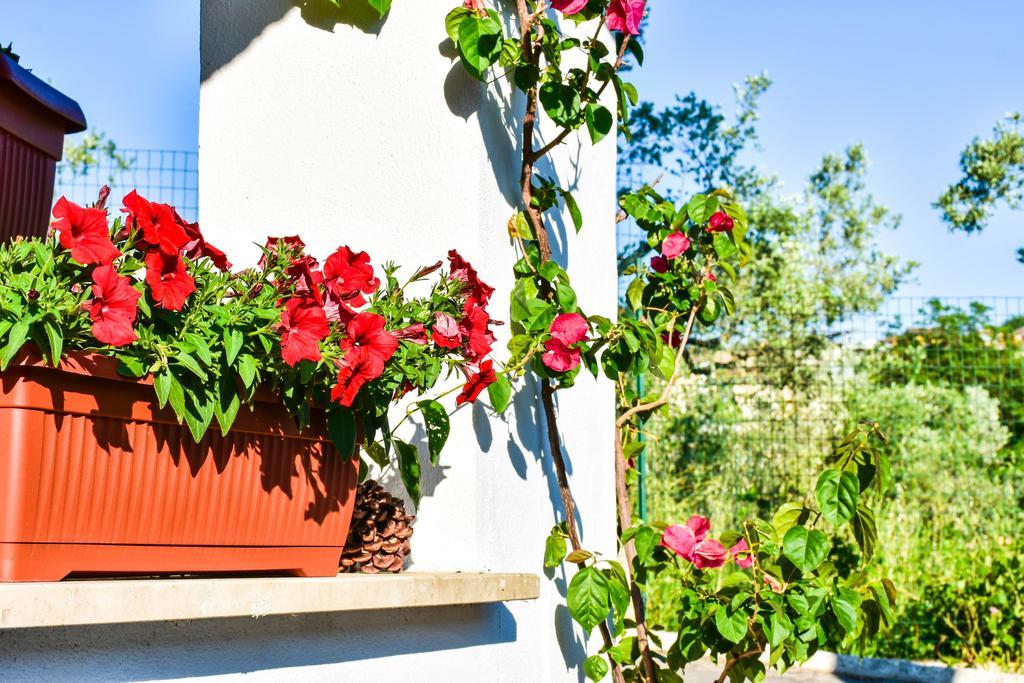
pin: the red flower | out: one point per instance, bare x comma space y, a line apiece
366, 331
561, 355
157, 224
720, 222
303, 325
741, 553
626, 15
415, 333
475, 327
477, 382
357, 368
568, 7
113, 307
349, 275
198, 247
446, 332
84, 233
462, 270
709, 554
683, 539
674, 245
168, 280
659, 264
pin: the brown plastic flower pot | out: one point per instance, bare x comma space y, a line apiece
33, 120
96, 479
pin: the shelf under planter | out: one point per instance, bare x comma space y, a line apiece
85, 602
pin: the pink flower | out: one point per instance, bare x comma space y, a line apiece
567, 330
772, 583
741, 553
569, 6
720, 222
626, 15
709, 554
659, 264
475, 5
683, 539
674, 245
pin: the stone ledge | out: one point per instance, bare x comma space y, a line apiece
74, 603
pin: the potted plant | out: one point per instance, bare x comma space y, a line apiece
161, 413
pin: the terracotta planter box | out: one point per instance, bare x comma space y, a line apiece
95, 478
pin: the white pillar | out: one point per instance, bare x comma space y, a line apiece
347, 130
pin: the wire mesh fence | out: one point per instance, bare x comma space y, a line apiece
167, 176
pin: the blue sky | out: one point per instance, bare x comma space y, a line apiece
913, 81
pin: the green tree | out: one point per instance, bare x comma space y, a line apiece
993, 172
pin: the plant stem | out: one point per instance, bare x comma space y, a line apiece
544, 245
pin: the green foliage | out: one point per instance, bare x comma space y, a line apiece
993, 172
81, 154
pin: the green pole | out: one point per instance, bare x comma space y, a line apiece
641, 461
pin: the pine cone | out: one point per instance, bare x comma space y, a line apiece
378, 540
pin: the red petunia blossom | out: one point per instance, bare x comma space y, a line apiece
626, 15
415, 333
84, 233
168, 280
561, 355
740, 552
357, 368
569, 6
475, 326
198, 247
113, 307
303, 326
156, 223
446, 332
462, 270
659, 264
477, 382
709, 554
674, 245
348, 275
720, 222
366, 331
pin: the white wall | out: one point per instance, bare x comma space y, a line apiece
370, 134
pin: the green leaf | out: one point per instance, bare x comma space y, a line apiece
438, 426
788, 516
588, 598
15, 340
453, 20
382, 6
622, 652
732, 625
595, 667
228, 402
805, 549
201, 347
233, 340
865, 530
500, 393
646, 540
837, 494
554, 549
844, 606
191, 364
247, 370
341, 427
574, 210
635, 293
599, 121
377, 453
566, 297
130, 366
409, 468
199, 412
162, 385
479, 44
561, 103
778, 628
56, 339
